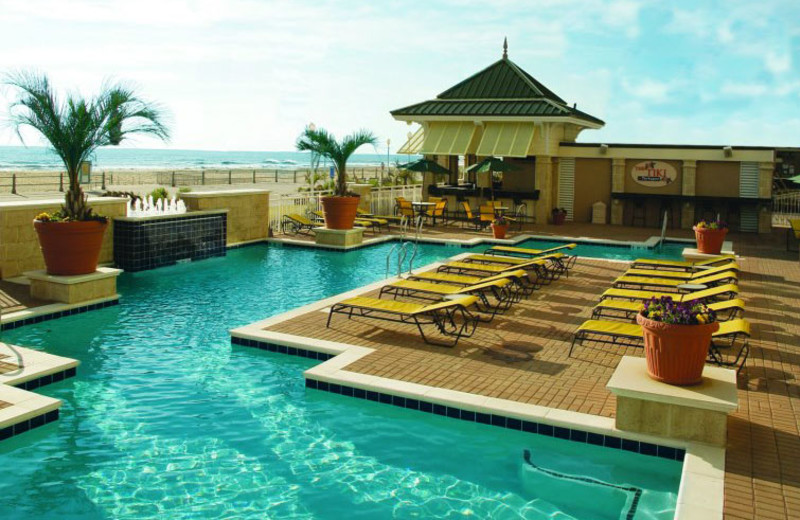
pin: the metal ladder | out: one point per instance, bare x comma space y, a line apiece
663, 230
400, 249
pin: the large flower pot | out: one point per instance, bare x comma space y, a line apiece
499, 230
709, 241
70, 248
340, 212
559, 218
676, 354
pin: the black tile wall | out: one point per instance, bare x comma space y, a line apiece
29, 424
500, 421
48, 379
147, 244
60, 314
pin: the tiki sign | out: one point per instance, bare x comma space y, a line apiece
654, 174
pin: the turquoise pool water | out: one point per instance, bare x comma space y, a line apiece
166, 420
669, 250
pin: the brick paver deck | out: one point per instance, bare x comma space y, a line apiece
523, 356
16, 297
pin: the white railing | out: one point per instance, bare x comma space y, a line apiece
383, 202
300, 203
384, 199
785, 206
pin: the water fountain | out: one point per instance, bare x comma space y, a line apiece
148, 208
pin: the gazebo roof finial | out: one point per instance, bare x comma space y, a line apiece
505, 48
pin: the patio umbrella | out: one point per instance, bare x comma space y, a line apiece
795, 179
491, 164
423, 166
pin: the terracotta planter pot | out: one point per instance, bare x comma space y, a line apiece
70, 248
340, 212
676, 354
709, 241
499, 230
559, 218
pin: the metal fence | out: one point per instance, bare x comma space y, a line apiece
41, 182
785, 206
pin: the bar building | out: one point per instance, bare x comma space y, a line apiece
503, 111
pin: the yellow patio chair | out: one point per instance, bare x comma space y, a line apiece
445, 316
523, 285
297, 224
525, 252
630, 335
628, 309
674, 283
471, 217
502, 295
683, 275
650, 263
721, 292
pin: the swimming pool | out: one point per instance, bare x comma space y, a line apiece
166, 420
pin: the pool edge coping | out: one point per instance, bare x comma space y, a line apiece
702, 484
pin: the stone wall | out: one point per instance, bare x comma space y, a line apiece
19, 245
248, 211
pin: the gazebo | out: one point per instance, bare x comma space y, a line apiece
501, 111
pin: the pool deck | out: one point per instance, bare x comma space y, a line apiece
522, 357
22, 370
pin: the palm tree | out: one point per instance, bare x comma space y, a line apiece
321, 142
76, 127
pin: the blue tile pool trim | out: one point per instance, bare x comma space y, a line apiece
608, 441
28, 424
59, 314
281, 349
47, 380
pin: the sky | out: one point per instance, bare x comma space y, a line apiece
251, 74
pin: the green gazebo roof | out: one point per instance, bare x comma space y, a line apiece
501, 89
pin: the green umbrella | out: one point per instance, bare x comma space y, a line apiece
423, 166
491, 164
795, 179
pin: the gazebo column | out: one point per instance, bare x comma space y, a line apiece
544, 183
688, 190
617, 186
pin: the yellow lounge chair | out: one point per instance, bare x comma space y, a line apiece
523, 283
683, 275
525, 252
561, 262
445, 316
538, 266
385, 218
373, 224
630, 335
297, 224
721, 292
674, 283
436, 291
627, 309
650, 263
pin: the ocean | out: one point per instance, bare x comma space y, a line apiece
16, 158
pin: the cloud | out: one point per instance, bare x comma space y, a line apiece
651, 90
745, 89
778, 63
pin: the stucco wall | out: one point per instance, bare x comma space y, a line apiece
248, 211
717, 179
19, 245
592, 184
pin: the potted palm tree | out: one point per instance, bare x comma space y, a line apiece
676, 339
75, 127
341, 207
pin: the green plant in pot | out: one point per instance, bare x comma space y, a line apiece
710, 236
75, 127
499, 227
340, 208
677, 336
